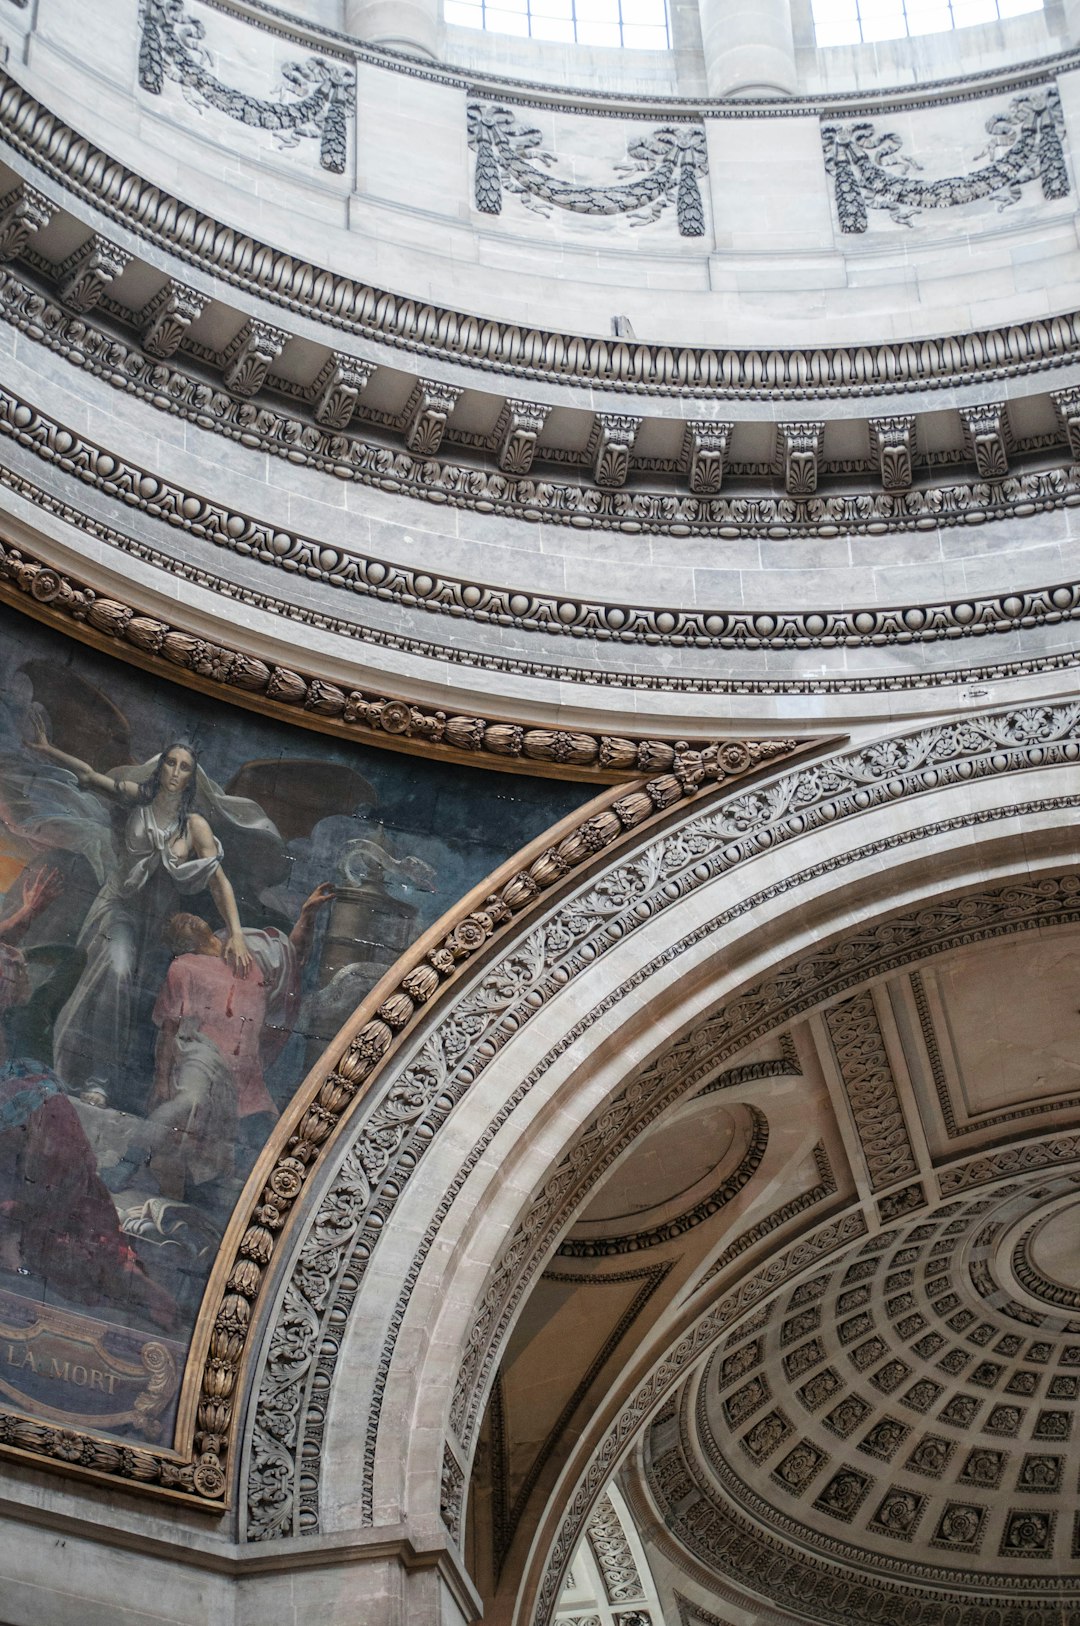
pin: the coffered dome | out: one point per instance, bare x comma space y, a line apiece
893, 1433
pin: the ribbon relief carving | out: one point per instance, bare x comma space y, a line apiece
664, 166
313, 101
870, 170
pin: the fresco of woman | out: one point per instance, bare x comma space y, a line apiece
57, 1220
167, 851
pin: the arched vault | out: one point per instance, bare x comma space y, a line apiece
728, 1027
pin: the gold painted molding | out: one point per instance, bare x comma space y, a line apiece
230, 673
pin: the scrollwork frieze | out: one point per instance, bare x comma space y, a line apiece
870, 1086
613, 1554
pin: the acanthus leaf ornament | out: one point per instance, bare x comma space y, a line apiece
24, 211
256, 349
425, 416
338, 389
89, 273
988, 438
168, 318
892, 442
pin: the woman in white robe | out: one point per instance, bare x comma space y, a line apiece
168, 851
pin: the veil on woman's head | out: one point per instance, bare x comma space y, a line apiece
253, 845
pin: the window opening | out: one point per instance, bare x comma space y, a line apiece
850, 22
640, 25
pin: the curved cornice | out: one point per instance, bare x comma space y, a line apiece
234, 674
613, 1243
205, 520
838, 506
42, 139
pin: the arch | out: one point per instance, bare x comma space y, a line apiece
619, 986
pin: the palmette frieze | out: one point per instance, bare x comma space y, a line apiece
452, 654
236, 258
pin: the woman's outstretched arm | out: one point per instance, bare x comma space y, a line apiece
84, 773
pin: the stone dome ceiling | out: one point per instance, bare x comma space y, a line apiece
891, 1439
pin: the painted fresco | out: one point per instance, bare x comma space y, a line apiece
194, 899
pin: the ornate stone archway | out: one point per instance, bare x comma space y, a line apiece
615, 986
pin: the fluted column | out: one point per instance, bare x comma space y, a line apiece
749, 47
404, 25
